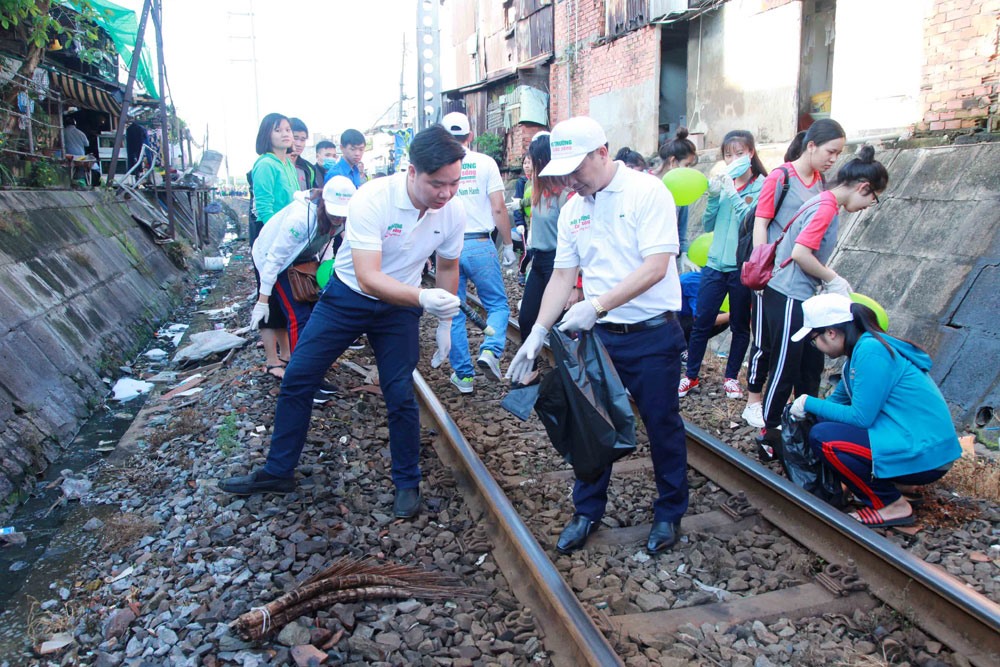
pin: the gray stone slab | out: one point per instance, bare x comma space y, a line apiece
935, 284
980, 308
981, 174
886, 226
966, 384
25, 372
936, 173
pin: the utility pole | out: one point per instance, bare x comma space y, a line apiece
428, 58
133, 70
164, 121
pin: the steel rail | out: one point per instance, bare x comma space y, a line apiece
570, 635
938, 602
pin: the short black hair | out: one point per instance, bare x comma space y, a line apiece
352, 138
434, 148
298, 125
271, 121
325, 144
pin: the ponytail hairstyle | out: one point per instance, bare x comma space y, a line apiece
540, 153
744, 139
820, 132
680, 147
864, 168
865, 321
631, 158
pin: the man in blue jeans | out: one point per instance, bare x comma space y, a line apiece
393, 225
620, 229
481, 190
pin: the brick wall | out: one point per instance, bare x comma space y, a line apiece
961, 78
595, 67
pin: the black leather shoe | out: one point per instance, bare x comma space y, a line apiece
662, 536
575, 534
407, 503
257, 482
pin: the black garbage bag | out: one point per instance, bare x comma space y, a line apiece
802, 465
584, 406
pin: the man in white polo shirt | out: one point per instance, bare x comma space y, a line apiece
393, 226
482, 192
621, 230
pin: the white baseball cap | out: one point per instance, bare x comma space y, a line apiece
457, 123
570, 142
821, 311
337, 194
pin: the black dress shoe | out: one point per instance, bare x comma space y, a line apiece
575, 534
257, 482
407, 503
662, 536
328, 388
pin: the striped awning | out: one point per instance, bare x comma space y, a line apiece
86, 95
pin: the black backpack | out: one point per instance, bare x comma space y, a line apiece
744, 246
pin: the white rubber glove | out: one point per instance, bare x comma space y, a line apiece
714, 187
727, 185
507, 257
798, 410
524, 360
443, 338
440, 303
838, 286
686, 265
260, 313
582, 316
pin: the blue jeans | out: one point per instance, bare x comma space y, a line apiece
714, 287
849, 452
480, 264
647, 361
340, 316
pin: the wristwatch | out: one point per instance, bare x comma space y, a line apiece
601, 311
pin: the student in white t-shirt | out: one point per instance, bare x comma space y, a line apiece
393, 226
621, 230
481, 191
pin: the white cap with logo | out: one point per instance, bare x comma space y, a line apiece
821, 311
457, 123
570, 143
337, 195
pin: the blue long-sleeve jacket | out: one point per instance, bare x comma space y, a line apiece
722, 216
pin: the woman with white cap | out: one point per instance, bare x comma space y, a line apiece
886, 428
300, 232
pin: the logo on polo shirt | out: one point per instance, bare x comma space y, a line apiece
395, 229
577, 225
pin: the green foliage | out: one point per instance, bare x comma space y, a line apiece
490, 144
226, 439
38, 26
42, 174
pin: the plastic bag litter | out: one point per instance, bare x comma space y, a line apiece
73, 487
584, 406
207, 343
520, 400
156, 354
127, 388
801, 464
175, 332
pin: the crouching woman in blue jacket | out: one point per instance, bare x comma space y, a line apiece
886, 425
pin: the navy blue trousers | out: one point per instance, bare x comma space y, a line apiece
715, 285
340, 316
649, 364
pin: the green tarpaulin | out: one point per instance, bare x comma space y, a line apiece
122, 25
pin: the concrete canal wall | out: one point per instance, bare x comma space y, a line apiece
82, 286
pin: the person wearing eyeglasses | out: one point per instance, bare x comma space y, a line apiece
886, 429
800, 271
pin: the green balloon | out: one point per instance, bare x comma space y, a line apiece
880, 314
685, 184
724, 308
698, 250
324, 272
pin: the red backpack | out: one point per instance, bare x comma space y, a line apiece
756, 272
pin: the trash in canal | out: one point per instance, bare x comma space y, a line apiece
126, 389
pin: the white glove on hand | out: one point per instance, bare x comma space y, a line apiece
686, 265
524, 360
260, 313
714, 187
582, 316
727, 185
838, 286
443, 338
798, 410
507, 257
440, 303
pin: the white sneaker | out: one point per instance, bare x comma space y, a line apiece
464, 385
753, 414
488, 361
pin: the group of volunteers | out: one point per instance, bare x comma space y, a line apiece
604, 248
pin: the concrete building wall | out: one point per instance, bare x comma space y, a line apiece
743, 71
81, 286
616, 82
877, 90
961, 77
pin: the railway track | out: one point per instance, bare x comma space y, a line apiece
861, 567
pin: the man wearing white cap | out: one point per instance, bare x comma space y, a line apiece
482, 193
621, 230
394, 225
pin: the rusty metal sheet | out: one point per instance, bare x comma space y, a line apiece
622, 16
535, 35
499, 53
526, 8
